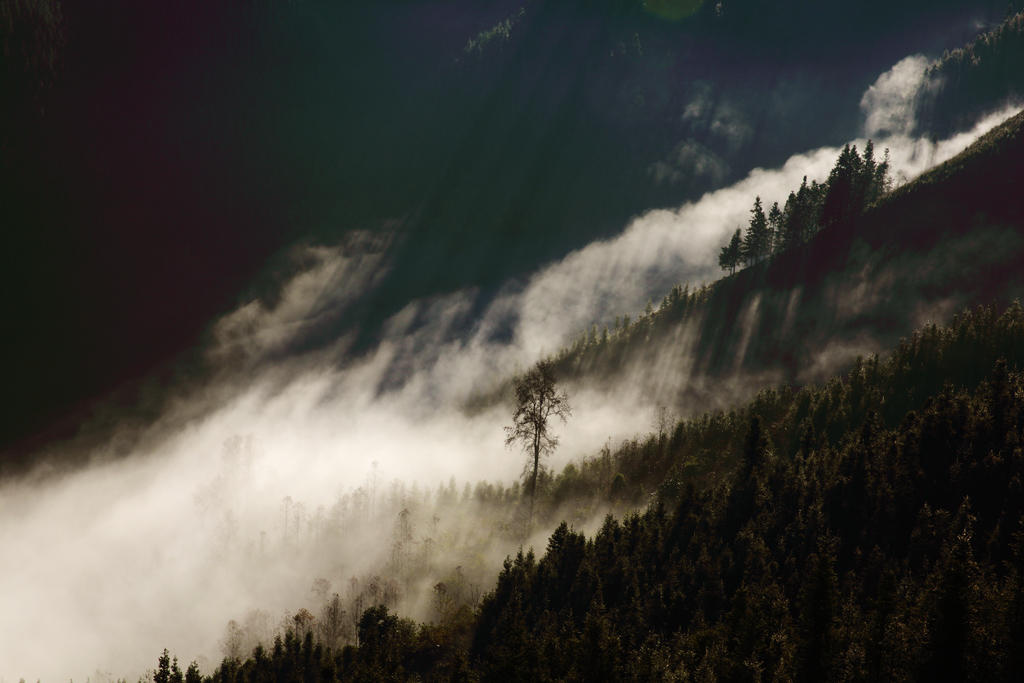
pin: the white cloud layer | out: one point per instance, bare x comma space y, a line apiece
103, 568
888, 105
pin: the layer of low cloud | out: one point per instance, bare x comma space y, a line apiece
889, 104
105, 567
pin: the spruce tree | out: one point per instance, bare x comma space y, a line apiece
843, 198
756, 242
730, 256
775, 229
789, 234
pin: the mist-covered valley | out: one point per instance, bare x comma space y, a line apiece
338, 429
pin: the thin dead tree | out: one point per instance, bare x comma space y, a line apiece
537, 400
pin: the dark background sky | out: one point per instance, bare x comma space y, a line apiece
178, 149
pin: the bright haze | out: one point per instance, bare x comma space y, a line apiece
315, 235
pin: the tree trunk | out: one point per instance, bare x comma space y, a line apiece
533, 482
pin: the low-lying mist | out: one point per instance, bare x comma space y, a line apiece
291, 467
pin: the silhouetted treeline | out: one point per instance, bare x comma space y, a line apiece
820, 237
599, 351
869, 529
854, 184
952, 236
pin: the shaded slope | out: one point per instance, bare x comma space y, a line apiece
975, 79
868, 529
952, 239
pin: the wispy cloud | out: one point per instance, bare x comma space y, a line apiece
690, 160
722, 120
888, 105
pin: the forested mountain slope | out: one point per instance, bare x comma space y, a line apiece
866, 528
876, 552
842, 501
974, 79
869, 529
951, 239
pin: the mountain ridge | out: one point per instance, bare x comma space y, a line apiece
969, 205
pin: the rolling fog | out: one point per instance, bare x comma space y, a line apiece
197, 525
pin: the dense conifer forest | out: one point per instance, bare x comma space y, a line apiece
889, 237
973, 79
867, 527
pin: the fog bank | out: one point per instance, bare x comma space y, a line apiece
105, 567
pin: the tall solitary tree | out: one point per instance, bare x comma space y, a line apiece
537, 400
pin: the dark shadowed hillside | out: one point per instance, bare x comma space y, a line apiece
976, 78
865, 526
868, 529
953, 238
